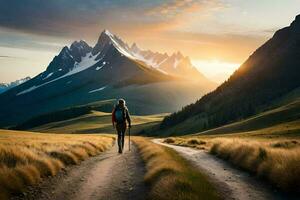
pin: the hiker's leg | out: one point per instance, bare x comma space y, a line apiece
119, 130
123, 135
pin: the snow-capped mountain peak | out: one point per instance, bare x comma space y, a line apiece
134, 48
178, 55
80, 45
65, 53
107, 32
79, 49
109, 48
176, 64
107, 41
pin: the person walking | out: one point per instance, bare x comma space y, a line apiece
120, 117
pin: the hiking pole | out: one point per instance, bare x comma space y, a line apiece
129, 138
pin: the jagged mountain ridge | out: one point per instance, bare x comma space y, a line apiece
175, 65
6, 86
82, 74
80, 57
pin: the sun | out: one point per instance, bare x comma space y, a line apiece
216, 69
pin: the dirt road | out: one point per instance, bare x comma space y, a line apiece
107, 176
231, 182
120, 177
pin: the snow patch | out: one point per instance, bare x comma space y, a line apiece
27, 90
121, 49
97, 90
48, 76
164, 60
98, 68
85, 63
162, 71
176, 63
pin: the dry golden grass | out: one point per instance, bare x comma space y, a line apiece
170, 176
194, 142
276, 160
26, 157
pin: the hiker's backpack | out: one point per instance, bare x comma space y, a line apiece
119, 115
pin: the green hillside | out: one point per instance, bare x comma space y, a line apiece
284, 120
288, 113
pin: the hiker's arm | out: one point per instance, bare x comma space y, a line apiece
128, 118
113, 118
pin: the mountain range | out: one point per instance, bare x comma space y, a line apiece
6, 86
270, 73
80, 74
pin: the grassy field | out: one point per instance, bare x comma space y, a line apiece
172, 177
272, 153
96, 122
27, 157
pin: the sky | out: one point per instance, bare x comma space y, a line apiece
218, 35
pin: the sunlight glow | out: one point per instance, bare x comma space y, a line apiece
216, 70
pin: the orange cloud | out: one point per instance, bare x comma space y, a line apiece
176, 14
180, 7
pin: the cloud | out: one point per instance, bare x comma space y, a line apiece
174, 14
14, 39
9, 57
57, 18
178, 7
66, 18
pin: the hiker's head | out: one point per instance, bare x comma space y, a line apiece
121, 102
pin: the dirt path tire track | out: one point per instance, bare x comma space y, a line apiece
107, 176
231, 183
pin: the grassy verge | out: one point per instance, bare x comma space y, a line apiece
277, 160
170, 176
26, 157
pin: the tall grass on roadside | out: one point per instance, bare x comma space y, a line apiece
278, 162
26, 157
170, 176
